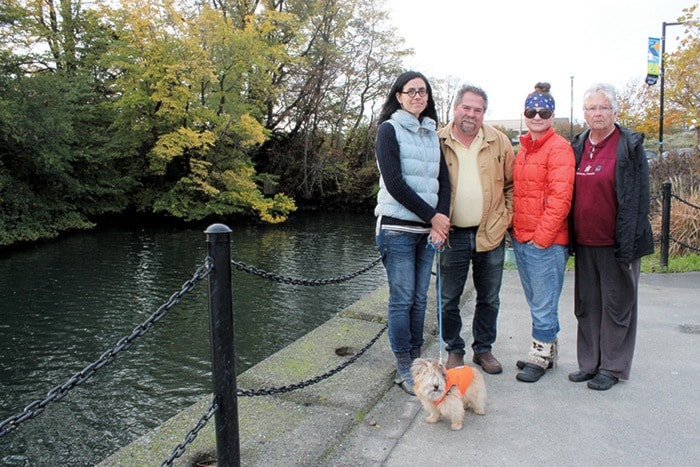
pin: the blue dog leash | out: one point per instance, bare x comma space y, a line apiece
438, 249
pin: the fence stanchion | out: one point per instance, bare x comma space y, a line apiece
665, 224
222, 344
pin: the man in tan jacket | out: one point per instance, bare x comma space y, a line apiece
480, 161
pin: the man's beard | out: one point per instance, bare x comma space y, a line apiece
467, 126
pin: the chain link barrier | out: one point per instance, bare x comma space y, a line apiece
317, 379
685, 202
296, 281
37, 407
684, 245
180, 449
189, 438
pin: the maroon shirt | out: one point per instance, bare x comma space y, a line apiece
595, 208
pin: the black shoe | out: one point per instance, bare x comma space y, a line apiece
530, 374
404, 384
407, 387
580, 376
603, 381
521, 364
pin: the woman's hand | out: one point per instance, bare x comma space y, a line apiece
440, 224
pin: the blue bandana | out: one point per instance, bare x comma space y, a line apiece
538, 100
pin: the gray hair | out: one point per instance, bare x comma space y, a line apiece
608, 90
465, 88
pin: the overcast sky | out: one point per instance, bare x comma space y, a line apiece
506, 46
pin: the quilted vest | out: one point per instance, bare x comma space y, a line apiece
419, 149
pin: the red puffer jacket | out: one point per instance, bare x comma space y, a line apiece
543, 179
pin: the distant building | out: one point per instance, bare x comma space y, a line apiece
519, 125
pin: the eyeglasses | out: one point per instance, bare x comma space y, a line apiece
543, 113
412, 92
602, 108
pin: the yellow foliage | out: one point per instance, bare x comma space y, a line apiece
177, 143
250, 131
240, 179
275, 210
200, 177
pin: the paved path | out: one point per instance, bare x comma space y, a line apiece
652, 419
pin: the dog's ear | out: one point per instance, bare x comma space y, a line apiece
442, 369
419, 363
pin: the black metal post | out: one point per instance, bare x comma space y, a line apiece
665, 224
223, 359
661, 85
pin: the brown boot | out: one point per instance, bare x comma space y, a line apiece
454, 360
488, 362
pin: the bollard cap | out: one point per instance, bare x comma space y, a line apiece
218, 229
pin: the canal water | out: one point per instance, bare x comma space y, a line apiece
64, 303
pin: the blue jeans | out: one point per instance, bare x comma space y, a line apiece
542, 276
408, 263
487, 273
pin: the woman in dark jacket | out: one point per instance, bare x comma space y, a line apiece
610, 234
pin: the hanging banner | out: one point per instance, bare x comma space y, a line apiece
653, 60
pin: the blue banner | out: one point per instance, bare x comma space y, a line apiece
653, 60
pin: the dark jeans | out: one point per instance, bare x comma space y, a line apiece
408, 261
487, 274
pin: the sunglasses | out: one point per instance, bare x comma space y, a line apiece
544, 113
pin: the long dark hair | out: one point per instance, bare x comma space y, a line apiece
391, 104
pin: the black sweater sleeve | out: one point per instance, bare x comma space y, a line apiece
387, 149
445, 193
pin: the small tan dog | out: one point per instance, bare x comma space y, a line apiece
448, 393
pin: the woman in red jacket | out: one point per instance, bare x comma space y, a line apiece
543, 179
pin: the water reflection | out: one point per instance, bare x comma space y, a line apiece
65, 303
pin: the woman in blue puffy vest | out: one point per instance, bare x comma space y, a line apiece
412, 208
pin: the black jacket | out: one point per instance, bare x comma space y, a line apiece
633, 235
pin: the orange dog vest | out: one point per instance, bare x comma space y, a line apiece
461, 377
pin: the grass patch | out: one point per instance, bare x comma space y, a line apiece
687, 263
651, 263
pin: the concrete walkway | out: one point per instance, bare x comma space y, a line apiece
653, 419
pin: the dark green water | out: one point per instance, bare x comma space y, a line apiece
63, 304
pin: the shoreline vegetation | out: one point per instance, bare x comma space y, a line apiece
228, 110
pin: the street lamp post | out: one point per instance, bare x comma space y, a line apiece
661, 84
571, 116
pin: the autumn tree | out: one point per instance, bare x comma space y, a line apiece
185, 110
343, 59
56, 168
639, 108
640, 103
682, 77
